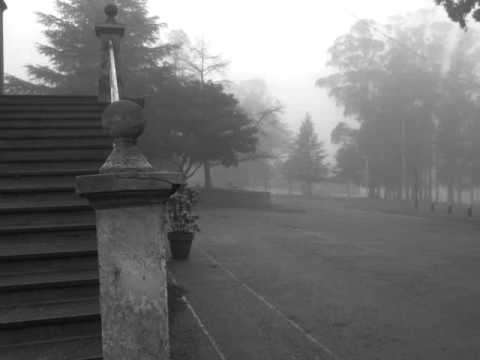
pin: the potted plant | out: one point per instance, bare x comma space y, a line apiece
181, 222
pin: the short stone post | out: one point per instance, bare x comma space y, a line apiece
128, 198
112, 31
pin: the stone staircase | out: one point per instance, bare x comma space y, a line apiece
48, 264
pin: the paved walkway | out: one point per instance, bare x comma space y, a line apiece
238, 322
332, 283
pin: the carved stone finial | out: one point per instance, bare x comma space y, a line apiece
111, 10
124, 122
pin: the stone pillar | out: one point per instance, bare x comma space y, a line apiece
128, 197
112, 31
3, 7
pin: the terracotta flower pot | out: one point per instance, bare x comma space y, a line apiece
180, 244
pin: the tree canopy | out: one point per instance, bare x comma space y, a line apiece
73, 49
414, 98
195, 123
460, 10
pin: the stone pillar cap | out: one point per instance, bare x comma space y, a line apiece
128, 188
111, 26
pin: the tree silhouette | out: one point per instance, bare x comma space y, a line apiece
73, 49
305, 162
459, 10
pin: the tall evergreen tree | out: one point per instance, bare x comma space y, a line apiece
74, 51
306, 162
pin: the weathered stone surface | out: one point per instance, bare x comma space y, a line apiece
132, 257
133, 286
124, 121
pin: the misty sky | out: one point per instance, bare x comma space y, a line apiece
284, 42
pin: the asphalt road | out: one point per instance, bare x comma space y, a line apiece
317, 281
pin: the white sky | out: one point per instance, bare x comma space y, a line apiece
281, 41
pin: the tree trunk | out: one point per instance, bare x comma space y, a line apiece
450, 192
430, 183
208, 175
415, 188
459, 190
349, 190
308, 189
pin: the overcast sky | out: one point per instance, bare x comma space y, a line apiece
282, 41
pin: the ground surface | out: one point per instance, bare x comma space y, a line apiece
316, 280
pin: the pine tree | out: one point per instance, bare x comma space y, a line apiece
306, 160
74, 50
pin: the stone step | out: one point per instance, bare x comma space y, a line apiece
51, 124
15, 266
42, 178
48, 172
74, 348
37, 188
51, 108
52, 133
28, 156
44, 117
54, 100
33, 295
40, 181
100, 142
48, 245
63, 192
38, 194
48, 312
83, 323
45, 214
58, 166
45, 229
62, 279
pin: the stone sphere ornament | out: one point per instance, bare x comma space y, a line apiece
111, 10
124, 122
123, 119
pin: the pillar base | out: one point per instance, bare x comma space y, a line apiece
132, 259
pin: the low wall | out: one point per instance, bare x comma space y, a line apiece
229, 198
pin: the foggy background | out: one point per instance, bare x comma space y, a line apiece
284, 43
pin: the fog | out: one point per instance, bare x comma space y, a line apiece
285, 43
240, 180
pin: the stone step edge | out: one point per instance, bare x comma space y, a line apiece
69, 315
59, 340
47, 207
46, 282
47, 172
47, 255
46, 228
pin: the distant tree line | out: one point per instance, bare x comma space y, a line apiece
194, 119
411, 90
